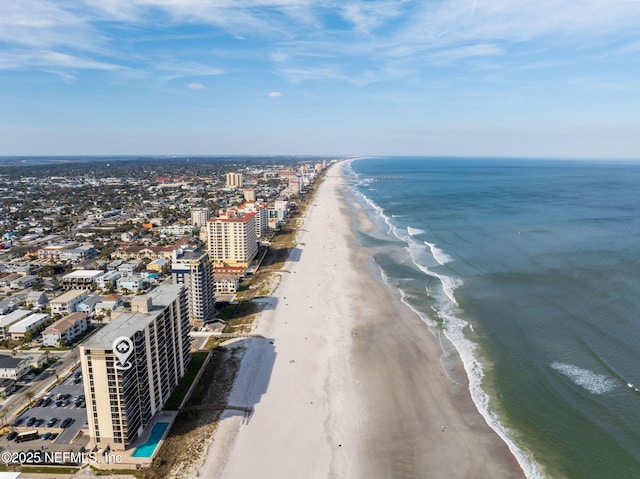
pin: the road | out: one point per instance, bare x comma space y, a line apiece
40, 384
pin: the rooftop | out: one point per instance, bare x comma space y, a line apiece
69, 295
84, 273
14, 316
65, 323
128, 324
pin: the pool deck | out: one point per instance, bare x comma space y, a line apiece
124, 459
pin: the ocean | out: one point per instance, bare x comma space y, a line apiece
527, 271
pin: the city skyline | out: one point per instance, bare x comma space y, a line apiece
477, 78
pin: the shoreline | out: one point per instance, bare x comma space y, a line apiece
344, 385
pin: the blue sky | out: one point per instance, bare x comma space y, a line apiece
546, 78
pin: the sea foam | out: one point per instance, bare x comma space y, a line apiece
585, 378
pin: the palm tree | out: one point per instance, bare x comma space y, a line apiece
29, 395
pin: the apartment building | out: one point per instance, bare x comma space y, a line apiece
235, 180
193, 269
8, 320
66, 303
262, 216
231, 239
81, 279
30, 324
200, 216
133, 364
65, 330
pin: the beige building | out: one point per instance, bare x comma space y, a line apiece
65, 330
249, 194
235, 180
66, 303
124, 391
231, 239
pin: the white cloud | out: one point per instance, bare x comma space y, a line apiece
274, 94
374, 37
196, 86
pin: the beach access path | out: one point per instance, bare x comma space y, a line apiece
347, 381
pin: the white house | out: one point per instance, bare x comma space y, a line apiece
13, 368
108, 280
37, 298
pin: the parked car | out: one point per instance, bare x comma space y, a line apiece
18, 421
46, 402
52, 421
12, 435
37, 422
45, 436
31, 421
39, 402
66, 423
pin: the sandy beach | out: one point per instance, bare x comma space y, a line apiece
347, 381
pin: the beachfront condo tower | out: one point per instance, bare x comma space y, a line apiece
192, 268
133, 364
231, 239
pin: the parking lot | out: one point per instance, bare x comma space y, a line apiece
65, 401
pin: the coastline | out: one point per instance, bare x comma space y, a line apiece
344, 384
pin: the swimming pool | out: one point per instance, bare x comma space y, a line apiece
147, 448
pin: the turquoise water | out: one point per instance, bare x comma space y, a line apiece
147, 448
531, 270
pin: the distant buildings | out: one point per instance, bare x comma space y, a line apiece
193, 269
235, 180
261, 211
122, 398
231, 239
250, 194
200, 216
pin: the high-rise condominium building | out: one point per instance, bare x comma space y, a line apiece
249, 194
231, 239
235, 180
133, 364
200, 216
192, 268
